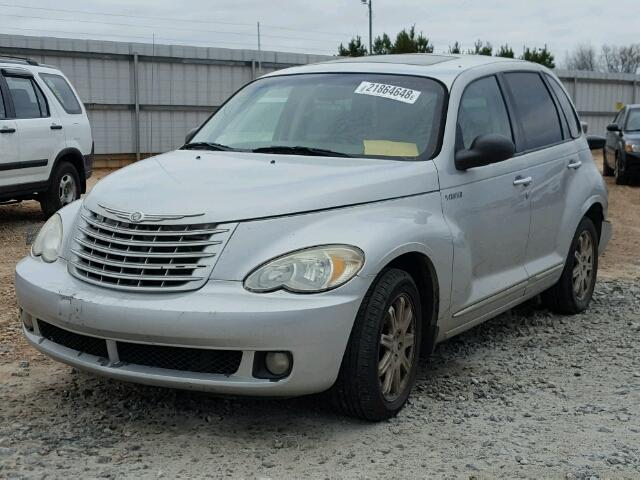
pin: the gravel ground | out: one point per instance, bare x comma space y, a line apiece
526, 395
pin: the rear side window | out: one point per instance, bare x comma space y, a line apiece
482, 111
569, 113
535, 109
28, 100
63, 92
3, 112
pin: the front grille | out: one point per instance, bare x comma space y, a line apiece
144, 256
74, 341
225, 362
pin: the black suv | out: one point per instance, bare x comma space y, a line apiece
622, 149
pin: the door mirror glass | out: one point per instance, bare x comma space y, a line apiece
596, 142
613, 127
485, 150
190, 134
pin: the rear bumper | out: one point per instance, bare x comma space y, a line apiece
221, 315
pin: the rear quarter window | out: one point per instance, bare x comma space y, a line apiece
3, 112
63, 92
570, 114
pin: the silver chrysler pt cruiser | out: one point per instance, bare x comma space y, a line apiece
323, 229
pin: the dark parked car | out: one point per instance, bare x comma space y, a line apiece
622, 150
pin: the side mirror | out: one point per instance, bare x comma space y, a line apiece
596, 142
190, 134
584, 126
613, 127
485, 150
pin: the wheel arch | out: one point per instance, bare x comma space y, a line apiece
422, 270
75, 158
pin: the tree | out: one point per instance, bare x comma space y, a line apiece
480, 48
539, 55
408, 42
621, 59
583, 57
382, 45
505, 51
456, 48
355, 48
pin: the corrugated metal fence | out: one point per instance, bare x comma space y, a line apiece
143, 98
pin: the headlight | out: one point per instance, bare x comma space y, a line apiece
49, 239
632, 147
313, 269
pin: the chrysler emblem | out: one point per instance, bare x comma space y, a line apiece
136, 217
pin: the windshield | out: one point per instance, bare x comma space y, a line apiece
633, 120
345, 114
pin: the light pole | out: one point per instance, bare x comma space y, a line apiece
368, 3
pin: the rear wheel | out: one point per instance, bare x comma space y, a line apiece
380, 364
573, 291
64, 189
607, 171
619, 173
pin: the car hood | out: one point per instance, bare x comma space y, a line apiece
235, 186
633, 136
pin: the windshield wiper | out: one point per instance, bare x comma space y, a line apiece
206, 146
299, 150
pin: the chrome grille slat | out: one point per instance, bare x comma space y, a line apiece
152, 243
138, 231
161, 256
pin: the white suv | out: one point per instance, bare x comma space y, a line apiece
45, 137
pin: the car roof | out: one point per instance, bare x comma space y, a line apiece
442, 67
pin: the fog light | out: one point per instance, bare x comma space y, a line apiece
278, 363
27, 320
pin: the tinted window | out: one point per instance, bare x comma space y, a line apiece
62, 90
482, 111
3, 113
633, 120
28, 100
354, 114
535, 109
568, 110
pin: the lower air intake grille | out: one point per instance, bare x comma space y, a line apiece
224, 362
74, 341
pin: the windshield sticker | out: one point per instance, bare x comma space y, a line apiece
392, 92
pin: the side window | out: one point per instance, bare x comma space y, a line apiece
535, 109
482, 111
63, 92
28, 100
570, 114
619, 116
3, 112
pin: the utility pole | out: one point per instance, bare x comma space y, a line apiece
368, 3
259, 52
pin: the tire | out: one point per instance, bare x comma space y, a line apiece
359, 390
607, 171
66, 177
619, 173
565, 297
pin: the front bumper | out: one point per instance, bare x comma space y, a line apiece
221, 315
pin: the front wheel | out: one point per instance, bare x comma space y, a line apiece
64, 189
573, 291
619, 173
380, 364
607, 171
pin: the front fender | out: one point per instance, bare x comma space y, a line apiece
382, 230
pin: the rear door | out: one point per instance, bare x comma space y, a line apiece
550, 154
9, 144
39, 131
488, 214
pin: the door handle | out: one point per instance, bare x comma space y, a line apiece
8, 130
56, 127
522, 181
574, 164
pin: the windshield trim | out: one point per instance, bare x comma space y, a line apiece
421, 158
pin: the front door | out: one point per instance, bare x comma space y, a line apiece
488, 211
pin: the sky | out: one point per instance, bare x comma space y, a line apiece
319, 27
